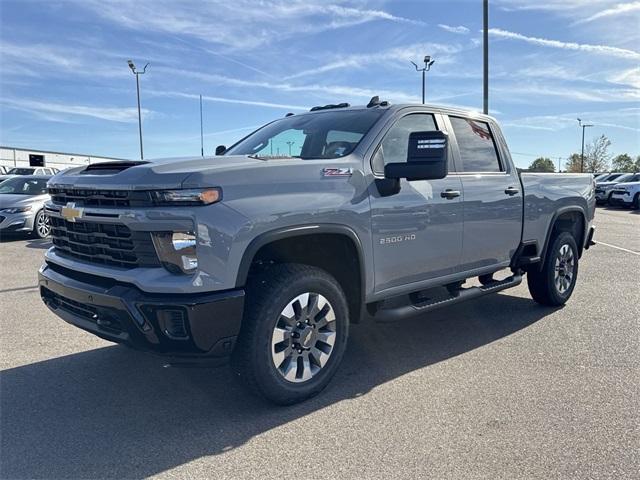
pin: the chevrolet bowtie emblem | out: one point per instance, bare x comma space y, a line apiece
71, 212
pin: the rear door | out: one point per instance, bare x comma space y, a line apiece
417, 233
492, 195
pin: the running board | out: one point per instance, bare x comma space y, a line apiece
407, 311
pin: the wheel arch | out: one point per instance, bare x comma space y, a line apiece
313, 245
565, 220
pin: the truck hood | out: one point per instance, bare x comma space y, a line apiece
15, 200
157, 174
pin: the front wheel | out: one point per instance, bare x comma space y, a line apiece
554, 283
294, 333
41, 225
636, 202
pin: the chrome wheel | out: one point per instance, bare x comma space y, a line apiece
304, 337
43, 225
564, 269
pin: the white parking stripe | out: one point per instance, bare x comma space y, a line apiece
616, 247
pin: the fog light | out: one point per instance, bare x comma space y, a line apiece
176, 251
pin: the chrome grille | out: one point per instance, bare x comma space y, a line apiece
103, 243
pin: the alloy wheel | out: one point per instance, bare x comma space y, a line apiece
564, 269
303, 337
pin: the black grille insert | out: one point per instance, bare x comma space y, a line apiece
105, 318
103, 243
100, 198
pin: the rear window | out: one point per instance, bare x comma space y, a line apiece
476, 144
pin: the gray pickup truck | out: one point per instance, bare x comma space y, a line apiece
267, 251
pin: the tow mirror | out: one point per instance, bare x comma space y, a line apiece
220, 149
427, 158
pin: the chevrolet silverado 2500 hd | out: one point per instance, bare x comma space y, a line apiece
379, 211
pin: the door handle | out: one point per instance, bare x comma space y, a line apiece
511, 191
450, 194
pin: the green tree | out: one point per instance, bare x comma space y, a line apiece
596, 155
573, 163
624, 163
542, 164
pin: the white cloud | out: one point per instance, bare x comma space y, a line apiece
601, 49
395, 55
64, 110
626, 77
606, 118
209, 98
238, 24
340, 91
459, 29
619, 9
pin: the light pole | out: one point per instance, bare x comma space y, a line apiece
485, 56
138, 73
427, 66
201, 131
290, 143
583, 125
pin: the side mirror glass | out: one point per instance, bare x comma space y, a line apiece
220, 149
427, 158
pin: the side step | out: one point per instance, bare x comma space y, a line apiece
407, 311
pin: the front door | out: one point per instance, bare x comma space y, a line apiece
417, 233
492, 197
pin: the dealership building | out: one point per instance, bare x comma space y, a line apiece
22, 157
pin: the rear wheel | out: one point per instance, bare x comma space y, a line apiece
294, 333
41, 225
554, 283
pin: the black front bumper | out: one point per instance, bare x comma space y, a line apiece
181, 325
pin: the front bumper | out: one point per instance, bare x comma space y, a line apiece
181, 325
16, 222
620, 199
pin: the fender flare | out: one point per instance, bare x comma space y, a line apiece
552, 223
297, 231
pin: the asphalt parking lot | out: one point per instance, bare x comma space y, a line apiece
496, 388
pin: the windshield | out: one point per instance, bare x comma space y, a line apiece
630, 178
330, 134
24, 186
623, 178
21, 171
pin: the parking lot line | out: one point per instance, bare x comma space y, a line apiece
618, 248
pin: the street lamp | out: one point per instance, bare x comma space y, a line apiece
137, 73
290, 143
583, 125
427, 66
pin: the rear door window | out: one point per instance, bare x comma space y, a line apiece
476, 144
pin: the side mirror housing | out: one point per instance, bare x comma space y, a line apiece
427, 158
220, 149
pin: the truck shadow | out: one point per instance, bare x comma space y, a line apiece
115, 413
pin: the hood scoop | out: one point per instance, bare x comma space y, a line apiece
109, 168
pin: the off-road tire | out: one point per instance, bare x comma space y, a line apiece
542, 283
267, 294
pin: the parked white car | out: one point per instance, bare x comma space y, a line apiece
606, 186
627, 193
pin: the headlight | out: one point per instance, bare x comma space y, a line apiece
176, 251
16, 209
196, 196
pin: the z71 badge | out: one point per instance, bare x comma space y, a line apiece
337, 172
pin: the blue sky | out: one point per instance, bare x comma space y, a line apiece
65, 84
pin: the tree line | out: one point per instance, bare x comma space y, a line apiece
596, 159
